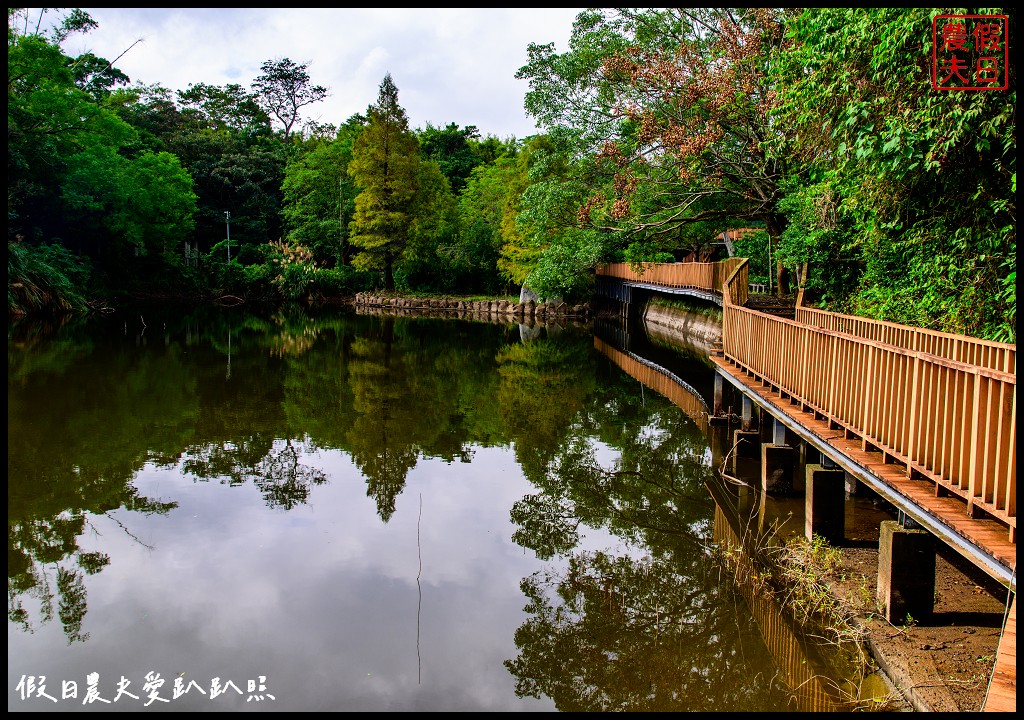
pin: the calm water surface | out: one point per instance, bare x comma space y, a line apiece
360, 513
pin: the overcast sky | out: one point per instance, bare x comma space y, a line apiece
450, 64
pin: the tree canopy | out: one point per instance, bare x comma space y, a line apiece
660, 128
284, 88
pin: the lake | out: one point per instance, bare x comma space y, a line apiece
217, 511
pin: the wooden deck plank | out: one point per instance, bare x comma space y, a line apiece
1002, 692
987, 534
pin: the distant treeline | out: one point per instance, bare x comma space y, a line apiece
841, 133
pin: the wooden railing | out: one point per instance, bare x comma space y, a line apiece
973, 351
699, 276
945, 406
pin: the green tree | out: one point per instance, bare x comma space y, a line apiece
490, 194
385, 165
96, 75
77, 172
143, 206
432, 256
228, 107
925, 179
518, 255
319, 196
451, 148
284, 88
546, 248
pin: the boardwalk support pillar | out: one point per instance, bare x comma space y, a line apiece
746, 443
825, 503
719, 435
718, 417
747, 414
745, 440
906, 572
778, 461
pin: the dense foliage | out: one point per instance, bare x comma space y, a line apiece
660, 129
820, 126
909, 192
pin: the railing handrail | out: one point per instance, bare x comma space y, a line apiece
983, 370
984, 353
950, 421
708, 276
727, 296
945, 405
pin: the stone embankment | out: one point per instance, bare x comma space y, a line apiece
679, 326
483, 309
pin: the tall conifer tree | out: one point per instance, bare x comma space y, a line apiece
385, 165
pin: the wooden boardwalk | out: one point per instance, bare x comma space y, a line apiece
945, 516
1002, 692
926, 419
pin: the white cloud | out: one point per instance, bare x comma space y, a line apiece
450, 64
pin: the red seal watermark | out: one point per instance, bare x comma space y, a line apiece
970, 52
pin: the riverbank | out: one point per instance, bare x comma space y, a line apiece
468, 307
677, 323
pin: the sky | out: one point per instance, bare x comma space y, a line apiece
449, 64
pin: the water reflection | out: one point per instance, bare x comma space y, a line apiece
655, 628
359, 507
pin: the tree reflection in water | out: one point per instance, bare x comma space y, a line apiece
656, 627
647, 629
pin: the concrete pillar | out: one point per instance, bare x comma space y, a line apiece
906, 572
747, 443
851, 484
747, 414
719, 387
718, 416
778, 432
825, 504
719, 436
777, 463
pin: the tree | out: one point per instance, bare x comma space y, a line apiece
450, 147
319, 195
284, 88
77, 171
915, 188
674, 104
432, 256
483, 204
97, 75
546, 249
385, 165
230, 107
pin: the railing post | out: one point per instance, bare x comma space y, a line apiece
974, 470
912, 426
869, 396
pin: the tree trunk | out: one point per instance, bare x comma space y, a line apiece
389, 273
775, 224
782, 277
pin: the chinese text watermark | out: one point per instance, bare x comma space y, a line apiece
970, 52
150, 690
